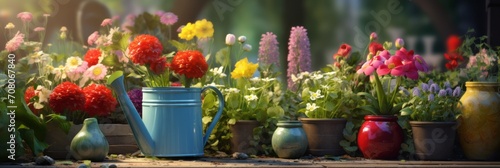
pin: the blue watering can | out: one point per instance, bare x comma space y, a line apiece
171, 123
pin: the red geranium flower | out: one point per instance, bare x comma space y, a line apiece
158, 66
453, 43
375, 47
99, 100
190, 63
28, 95
67, 96
145, 49
92, 57
343, 51
453, 60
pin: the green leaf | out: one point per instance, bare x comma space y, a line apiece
351, 137
3, 79
180, 46
406, 111
351, 148
36, 146
345, 143
208, 101
110, 60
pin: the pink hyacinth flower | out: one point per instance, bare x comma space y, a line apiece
25, 16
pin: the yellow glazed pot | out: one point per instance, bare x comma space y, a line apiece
479, 125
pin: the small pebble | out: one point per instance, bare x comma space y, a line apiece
104, 166
82, 166
44, 160
240, 156
112, 166
121, 157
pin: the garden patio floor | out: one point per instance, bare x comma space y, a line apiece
266, 162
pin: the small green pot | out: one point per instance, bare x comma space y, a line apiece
89, 143
289, 140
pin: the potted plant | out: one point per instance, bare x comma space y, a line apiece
432, 111
380, 136
477, 65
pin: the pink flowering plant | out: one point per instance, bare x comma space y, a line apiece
387, 71
431, 102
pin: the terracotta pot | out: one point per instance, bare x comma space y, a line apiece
324, 135
242, 132
380, 137
479, 123
433, 140
289, 140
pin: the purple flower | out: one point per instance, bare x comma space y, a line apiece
168, 18
268, 49
416, 91
299, 54
425, 87
457, 92
442, 93
430, 97
449, 91
136, 97
434, 88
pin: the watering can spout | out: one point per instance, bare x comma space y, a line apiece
141, 134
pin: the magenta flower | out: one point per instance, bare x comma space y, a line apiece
25, 16
14, 43
168, 18
405, 55
299, 54
409, 70
393, 65
93, 38
136, 97
420, 63
107, 22
268, 49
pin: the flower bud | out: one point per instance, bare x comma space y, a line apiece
373, 36
416, 91
230, 39
242, 39
63, 35
400, 43
247, 47
63, 29
10, 25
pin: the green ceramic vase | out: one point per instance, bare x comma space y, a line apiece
89, 143
479, 123
289, 139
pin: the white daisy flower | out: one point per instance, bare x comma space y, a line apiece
315, 95
251, 97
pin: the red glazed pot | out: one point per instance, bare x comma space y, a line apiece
380, 137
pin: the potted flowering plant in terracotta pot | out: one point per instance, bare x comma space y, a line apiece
252, 103
432, 111
387, 70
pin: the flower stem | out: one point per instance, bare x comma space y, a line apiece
382, 100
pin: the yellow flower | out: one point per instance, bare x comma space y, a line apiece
187, 32
244, 69
204, 29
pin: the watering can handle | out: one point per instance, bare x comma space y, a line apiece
217, 116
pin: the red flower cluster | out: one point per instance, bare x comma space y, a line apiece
92, 57
99, 100
145, 49
375, 47
67, 96
28, 95
453, 56
159, 66
192, 64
